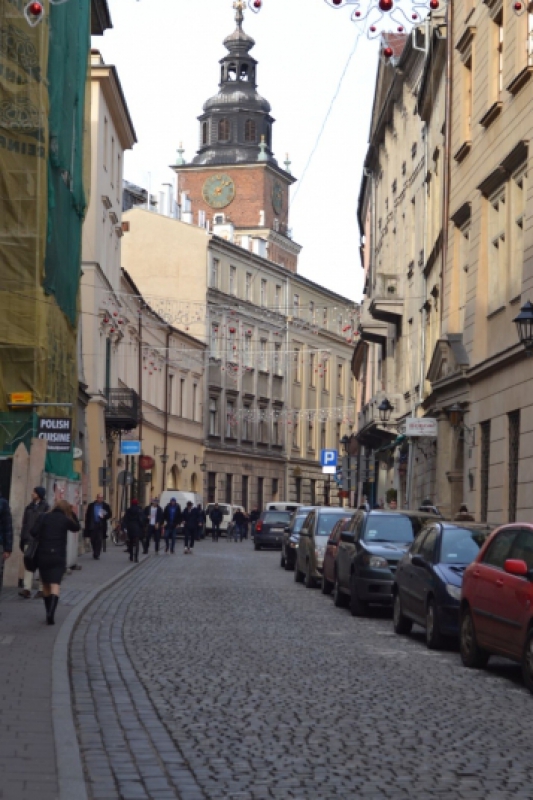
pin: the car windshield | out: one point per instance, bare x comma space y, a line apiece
460, 545
326, 523
298, 522
277, 517
389, 528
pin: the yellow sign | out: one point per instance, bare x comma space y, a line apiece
21, 398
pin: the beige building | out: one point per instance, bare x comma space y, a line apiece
478, 362
400, 222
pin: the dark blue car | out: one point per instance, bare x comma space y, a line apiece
428, 580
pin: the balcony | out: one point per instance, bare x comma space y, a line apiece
123, 409
371, 431
372, 330
386, 303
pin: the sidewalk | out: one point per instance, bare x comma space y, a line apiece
28, 763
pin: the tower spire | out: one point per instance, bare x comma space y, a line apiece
239, 6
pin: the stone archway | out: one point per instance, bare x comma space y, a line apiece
194, 482
174, 478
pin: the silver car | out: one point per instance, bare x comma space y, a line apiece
314, 536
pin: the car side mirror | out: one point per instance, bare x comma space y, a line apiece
515, 566
418, 561
348, 537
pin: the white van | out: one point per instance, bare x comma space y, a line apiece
227, 515
282, 506
181, 497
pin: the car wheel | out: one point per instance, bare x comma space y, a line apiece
288, 564
358, 607
527, 661
282, 559
402, 624
433, 634
326, 586
298, 576
472, 656
339, 599
256, 546
309, 580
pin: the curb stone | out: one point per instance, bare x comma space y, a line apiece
71, 778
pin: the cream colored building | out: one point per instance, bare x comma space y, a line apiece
400, 214
278, 385
478, 362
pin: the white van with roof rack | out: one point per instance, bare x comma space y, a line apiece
281, 505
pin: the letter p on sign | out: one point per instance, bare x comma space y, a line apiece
328, 461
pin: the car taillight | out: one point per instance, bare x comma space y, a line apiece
259, 526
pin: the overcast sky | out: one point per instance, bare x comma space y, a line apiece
167, 53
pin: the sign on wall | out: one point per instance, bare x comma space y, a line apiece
421, 426
58, 433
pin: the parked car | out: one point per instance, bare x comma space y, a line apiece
227, 516
269, 528
291, 536
314, 536
368, 554
328, 566
496, 616
428, 579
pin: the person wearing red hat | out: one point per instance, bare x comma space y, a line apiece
133, 524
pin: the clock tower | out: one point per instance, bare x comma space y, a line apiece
234, 177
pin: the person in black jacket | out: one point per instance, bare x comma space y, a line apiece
6, 535
201, 521
153, 520
172, 517
51, 531
190, 523
133, 523
32, 512
215, 515
96, 523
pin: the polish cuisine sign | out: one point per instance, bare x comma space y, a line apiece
58, 433
421, 426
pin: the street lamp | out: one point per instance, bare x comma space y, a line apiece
385, 408
456, 417
345, 441
524, 326
184, 463
203, 467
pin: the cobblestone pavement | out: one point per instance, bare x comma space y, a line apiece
217, 677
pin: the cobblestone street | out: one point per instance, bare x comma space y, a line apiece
217, 677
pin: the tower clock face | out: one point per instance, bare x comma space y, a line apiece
219, 190
277, 198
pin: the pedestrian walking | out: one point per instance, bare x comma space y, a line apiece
153, 516
172, 518
254, 516
190, 523
215, 515
51, 531
201, 521
239, 519
96, 518
133, 522
6, 535
35, 509
464, 514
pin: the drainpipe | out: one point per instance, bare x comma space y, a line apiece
140, 370
288, 374
165, 434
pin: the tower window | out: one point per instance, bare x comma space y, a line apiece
204, 132
232, 72
250, 131
243, 72
223, 130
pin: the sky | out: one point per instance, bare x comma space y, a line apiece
167, 52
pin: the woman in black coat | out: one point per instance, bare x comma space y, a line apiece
51, 531
133, 523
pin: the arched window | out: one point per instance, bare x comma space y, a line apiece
232, 72
243, 72
204, 132
250, 131
223, 130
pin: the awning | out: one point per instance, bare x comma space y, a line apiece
392, 445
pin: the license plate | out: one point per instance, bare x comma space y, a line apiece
277, 530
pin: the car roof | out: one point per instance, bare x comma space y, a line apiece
421, 515
475, 526
335, 510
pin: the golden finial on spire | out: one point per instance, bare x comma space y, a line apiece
239, 6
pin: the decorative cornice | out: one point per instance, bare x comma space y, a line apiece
464, 44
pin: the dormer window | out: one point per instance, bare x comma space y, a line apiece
232, 72
223, 130
250, 131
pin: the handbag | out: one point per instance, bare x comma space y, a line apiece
31, 555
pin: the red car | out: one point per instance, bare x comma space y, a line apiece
496, 616
328, 565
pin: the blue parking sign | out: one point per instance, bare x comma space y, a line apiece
328, 458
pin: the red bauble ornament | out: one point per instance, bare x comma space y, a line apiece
400, 29
517, 6
387, 52
357, 13
35, 9
111, 330
385, 5
115, 313
257, 4
337, 2
373, 28
434, 4
414, 16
